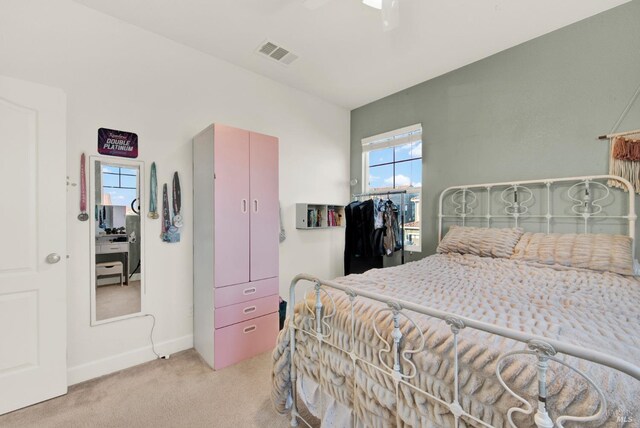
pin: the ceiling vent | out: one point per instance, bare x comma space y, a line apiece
276, 53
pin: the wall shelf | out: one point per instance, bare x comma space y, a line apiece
319, 216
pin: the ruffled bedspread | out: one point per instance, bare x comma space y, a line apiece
595, 310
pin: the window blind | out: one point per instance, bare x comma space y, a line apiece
398, 137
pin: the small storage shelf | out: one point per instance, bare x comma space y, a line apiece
319, 216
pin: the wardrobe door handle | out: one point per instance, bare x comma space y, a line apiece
255, 205
249, 329
243, 206
248, 291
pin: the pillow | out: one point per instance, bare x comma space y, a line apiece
480, 241
600, 252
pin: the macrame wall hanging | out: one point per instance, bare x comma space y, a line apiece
625, 159
624, 150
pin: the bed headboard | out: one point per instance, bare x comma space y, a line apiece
568, 205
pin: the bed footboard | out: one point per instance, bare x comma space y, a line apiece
396, 356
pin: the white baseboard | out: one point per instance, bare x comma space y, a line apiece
125, 360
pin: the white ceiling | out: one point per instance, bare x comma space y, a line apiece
345, 57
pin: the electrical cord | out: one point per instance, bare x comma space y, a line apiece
135, 270
153, 346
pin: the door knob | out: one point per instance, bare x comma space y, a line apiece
53, 258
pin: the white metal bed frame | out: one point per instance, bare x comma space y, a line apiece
584, 209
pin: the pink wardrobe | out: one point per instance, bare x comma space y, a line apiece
236, 229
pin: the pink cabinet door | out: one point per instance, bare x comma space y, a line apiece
232, 204
265, 223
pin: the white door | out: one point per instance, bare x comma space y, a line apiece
33, 338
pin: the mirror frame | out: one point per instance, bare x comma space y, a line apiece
91, 201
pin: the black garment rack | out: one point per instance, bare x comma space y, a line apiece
402, 194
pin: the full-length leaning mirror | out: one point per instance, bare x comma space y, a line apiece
117, 229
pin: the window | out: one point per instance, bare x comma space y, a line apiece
119, 186
393, 161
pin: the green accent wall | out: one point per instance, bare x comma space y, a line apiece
532, 111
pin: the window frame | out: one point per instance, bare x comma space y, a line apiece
397, 137
119, 174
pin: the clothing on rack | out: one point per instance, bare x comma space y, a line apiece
360, 228
378, 242
389, 232
372, 231
396, 230
358, 252
378, 215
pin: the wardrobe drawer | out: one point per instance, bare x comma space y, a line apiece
244, 311
114, 247
244, 340
239, 293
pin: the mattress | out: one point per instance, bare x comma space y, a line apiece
591, 309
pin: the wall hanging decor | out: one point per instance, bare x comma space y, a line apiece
177, 203
153, 193
625, 158
166, 215
83, 216
112, 142
170, 232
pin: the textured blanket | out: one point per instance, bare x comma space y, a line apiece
591, 309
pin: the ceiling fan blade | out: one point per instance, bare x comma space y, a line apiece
376, 4
314, 4
390, 14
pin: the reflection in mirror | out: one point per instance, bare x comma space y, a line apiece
117, 283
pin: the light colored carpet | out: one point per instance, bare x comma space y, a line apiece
179, 392
114, 301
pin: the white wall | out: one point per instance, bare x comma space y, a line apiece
119, 76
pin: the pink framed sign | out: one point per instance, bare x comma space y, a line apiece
112, 142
